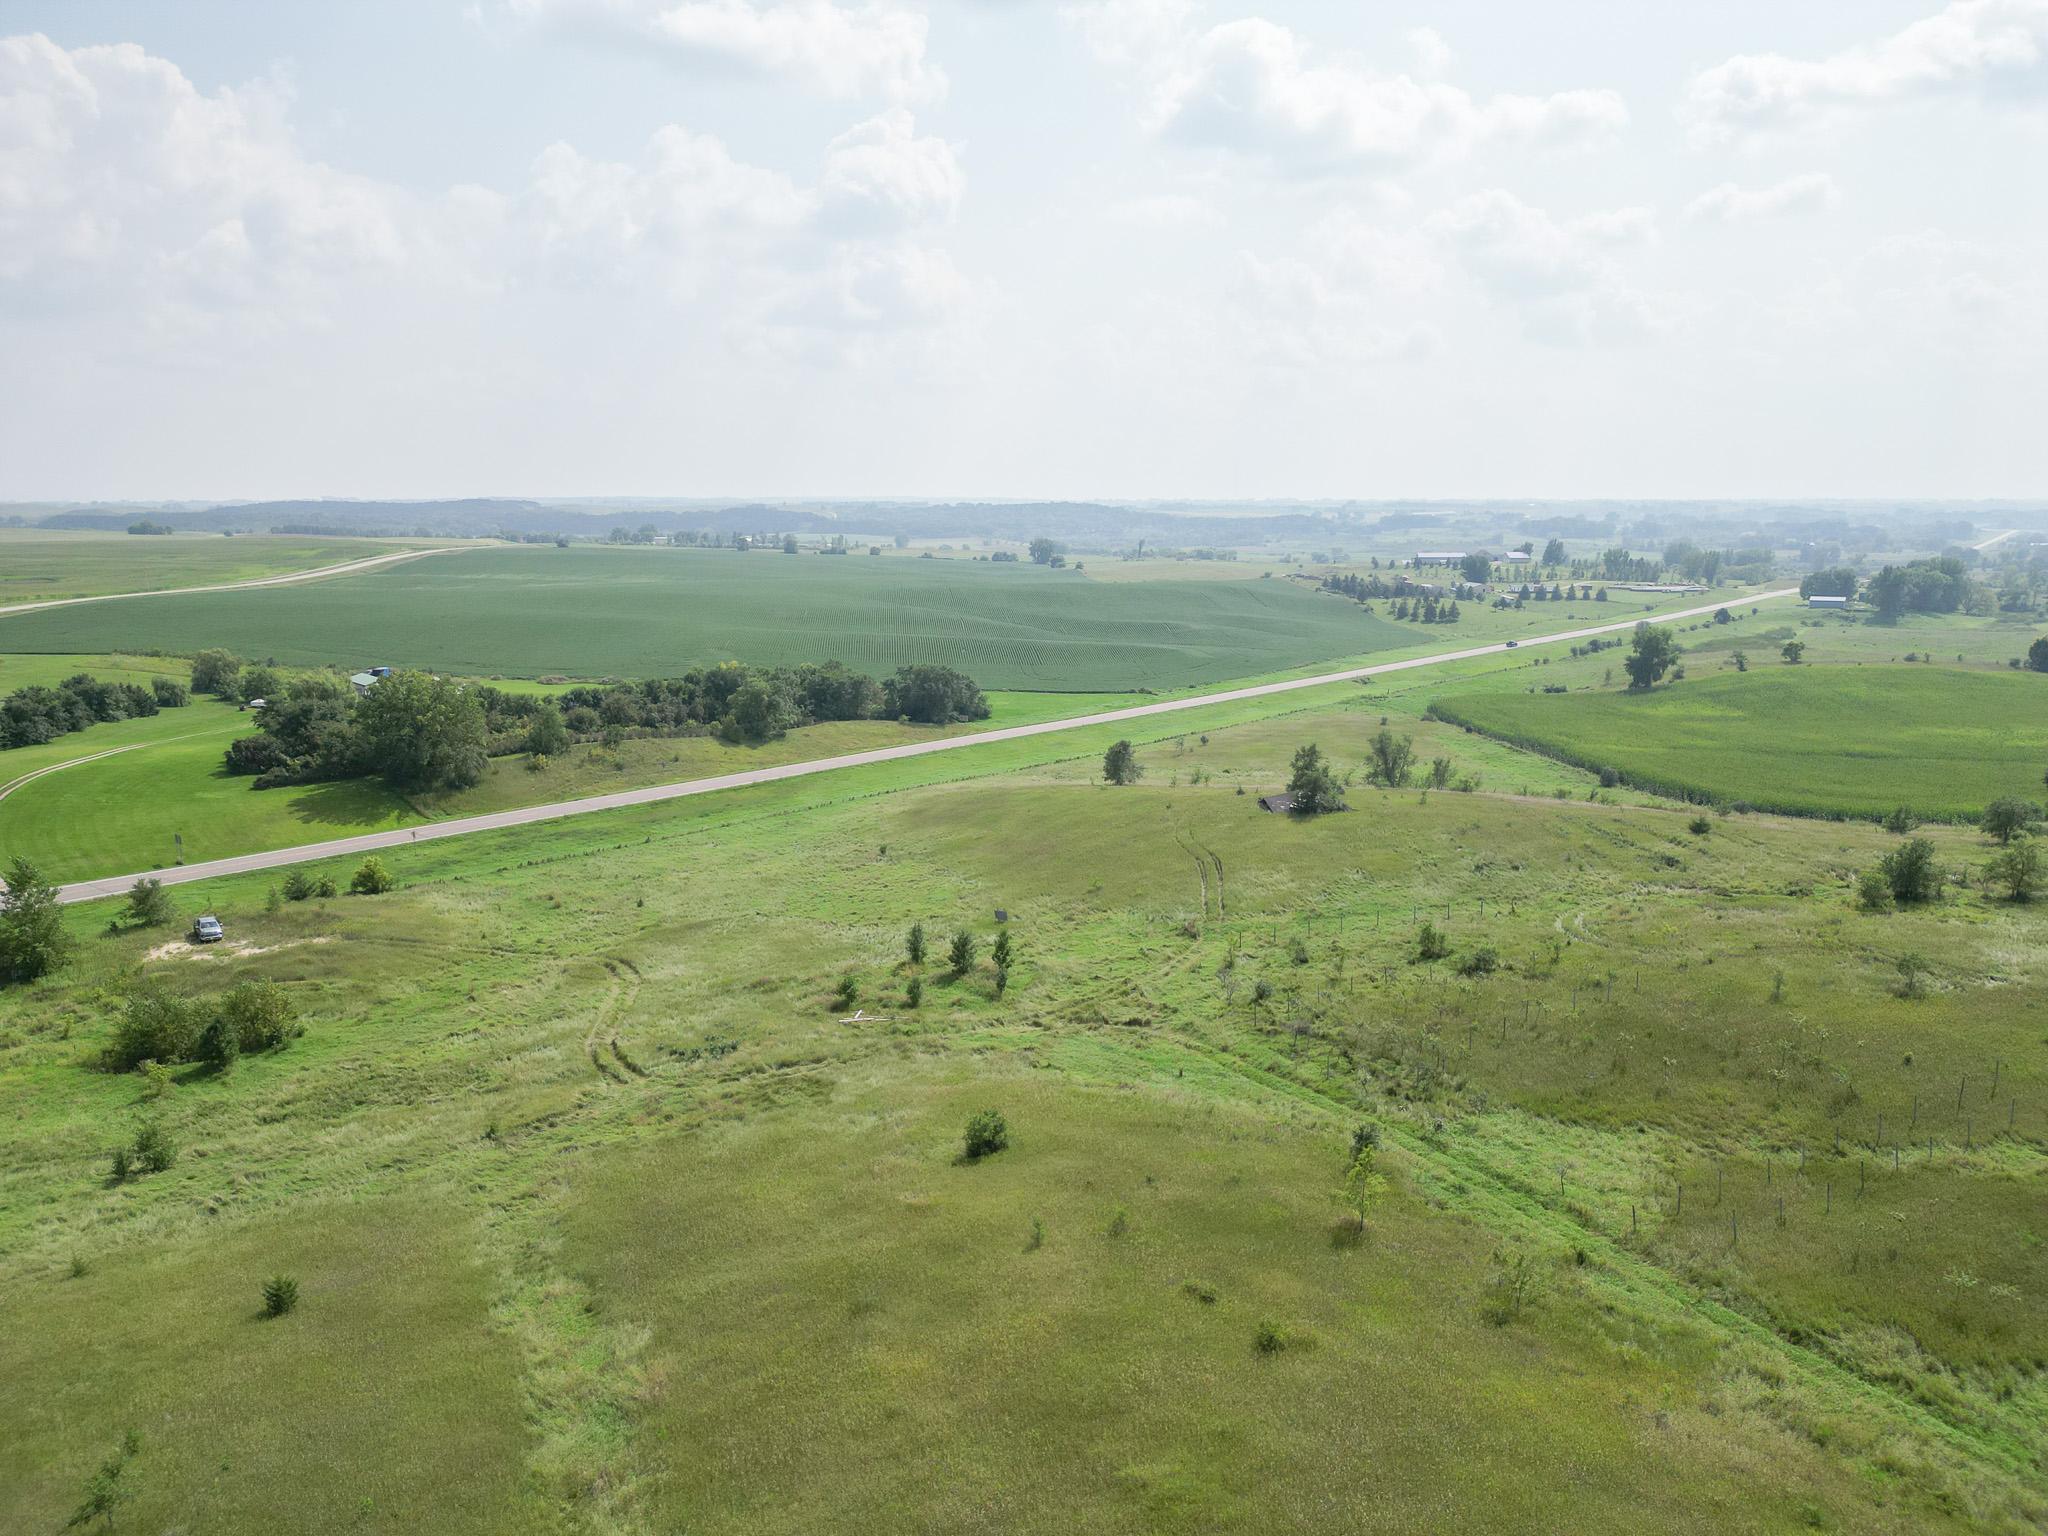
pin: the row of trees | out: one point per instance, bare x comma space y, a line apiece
428, 733
31, 716
1942, 584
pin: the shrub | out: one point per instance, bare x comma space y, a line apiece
1483, 961
1699, 826
913, 995
1262, 990
1873, 891
1267, 1338
1901, 821
2008, 816
148, 906
215, 672
1000, 954
280, 1295
298, 885
1430, 944
324, 886
1910, 872
219, 1045
153, 1147
1511, 1285
261, 1014
123, 1168
849, 989
962, 952
2018, 870
1609, 778
168, 693
913, 944
987, 1134
155, 1026
1002, 980
371, 878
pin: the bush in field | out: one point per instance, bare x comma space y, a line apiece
1900, 821
1512, 1283
105, 1491
1431, 944
1120, 764
1390, 759
1910, 873
298, 885
168, 693
1699, 826
1874, 891
148, 906
1483, 961
1001, 953
156, 1026
987, 1133
849, 990
261, 1015
547, 735
913, 944
1312, 784
1267, 1338
371, 878
153, 1149
913, 995
280, 1295
961, 953
219, 1045
324, 886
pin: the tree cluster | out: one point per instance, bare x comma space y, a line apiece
158, 1025
33, 715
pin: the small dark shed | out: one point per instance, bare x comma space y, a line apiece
1279, 802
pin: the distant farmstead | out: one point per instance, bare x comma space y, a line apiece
1439, 556
363, 682
1820, 600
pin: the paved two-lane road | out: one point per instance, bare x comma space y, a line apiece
369, 842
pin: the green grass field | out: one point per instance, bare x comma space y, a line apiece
37, 565
651, 613
1818, 740
696, 1253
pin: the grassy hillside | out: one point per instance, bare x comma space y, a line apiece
37, 565
654, 613
1852, 741
733, 1276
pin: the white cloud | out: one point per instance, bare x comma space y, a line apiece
120, 180
127, 193
1357, 293
1166, 210
1556, 275
844, 52
880, 171
1255, 87
1972, 46
1728, 203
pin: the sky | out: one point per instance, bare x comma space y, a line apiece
1026, 249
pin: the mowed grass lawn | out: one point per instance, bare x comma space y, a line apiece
38, 564
1829, 740
593, 612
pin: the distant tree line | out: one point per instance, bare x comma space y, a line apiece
33, 715
1941, 584
428, 733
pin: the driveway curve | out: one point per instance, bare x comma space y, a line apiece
371, 842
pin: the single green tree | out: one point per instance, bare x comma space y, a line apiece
1120, 764
913, 944
1001, 953
2017, 871
32, 938
1390, 759
962, 952
2037, 655
1792, 651
1363, 1185
546, 735
423, 732
107, 1489
215, 672
2008, 816
280, 1295
1741, 660
1312, 785
1652, 653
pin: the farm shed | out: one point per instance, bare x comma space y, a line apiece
1819, 600
1279, 802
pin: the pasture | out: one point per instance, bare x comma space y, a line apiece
735, 1275
596, 612
39, 565
1812, 740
